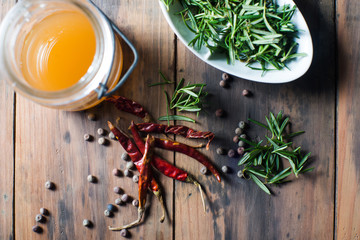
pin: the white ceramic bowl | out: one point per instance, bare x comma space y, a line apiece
298, 66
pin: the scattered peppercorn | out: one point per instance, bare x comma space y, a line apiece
107, 213
242, 124
240, 174
39, 218
118, 201
87, 137
135, 203
241, 144
112, 136
127, 173
223, 84
49, 185
135, 178
203, 170
238, 131
37, 229
225, 169
117, 190
125, 198
111, 207
219, 113
125, 156
243, 136
102, 141
231, 153
116, 172
241, 150
225, 76
91, 179
130, 165
124, 232
246, 93
87, 223
220, 151
101, 131
44, 211
91, 116
236, 139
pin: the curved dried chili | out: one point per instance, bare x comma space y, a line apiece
130, 106
178, 130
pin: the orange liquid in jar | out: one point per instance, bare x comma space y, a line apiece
58, 51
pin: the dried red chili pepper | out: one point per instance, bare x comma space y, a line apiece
178, 130
165, 167
144, 182
136, 157
130, 106
189, 151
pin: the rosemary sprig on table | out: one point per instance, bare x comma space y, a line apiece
263, 163
252, 31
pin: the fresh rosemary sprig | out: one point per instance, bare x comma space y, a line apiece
263, 163
252, 31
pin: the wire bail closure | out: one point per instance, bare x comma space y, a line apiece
102, 90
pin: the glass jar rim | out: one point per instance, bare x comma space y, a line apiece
97, 72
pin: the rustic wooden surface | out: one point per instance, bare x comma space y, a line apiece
41, 144
348, 164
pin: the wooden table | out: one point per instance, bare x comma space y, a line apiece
39, 144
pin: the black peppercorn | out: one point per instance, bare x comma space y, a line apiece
101, 131
111, 207
87, 223
125, 157
240, 174
37, 229
203, 170
116, 172
107, 213
231, 153
225, 76
125, 197
117, 190
44, 211
238, 131
130, 165
39, 218
87, 137
241, 150
242, 124
225, 169
223, 84
219, 113
127, 173
49, 185
235, 139
91, 116
102, 141
91, 179
241, 144
135, 178
220, 151
124, 232
246, 93
243, 136
118, 201
135, 203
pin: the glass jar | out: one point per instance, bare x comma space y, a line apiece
103, 74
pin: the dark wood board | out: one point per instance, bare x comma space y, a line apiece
7, 148
348, 167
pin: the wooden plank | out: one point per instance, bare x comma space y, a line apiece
6, 143
50, 146
238, 209
348, 194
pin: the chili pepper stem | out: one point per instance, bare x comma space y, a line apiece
161, 200
133, 224
198, 185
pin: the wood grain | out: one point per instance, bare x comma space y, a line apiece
237, 209
51, 146
348, 167
7, 148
